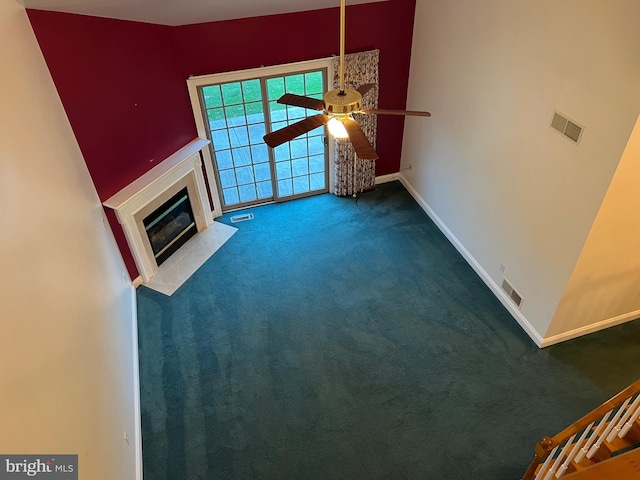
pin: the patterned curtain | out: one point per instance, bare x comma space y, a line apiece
354, 175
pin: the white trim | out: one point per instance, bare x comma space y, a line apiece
171, 166
198, 115
183, 169
486, 278
594, 327
137, 282
331, 145
137, 443
387, 178
270, 71
195, 82
213, 183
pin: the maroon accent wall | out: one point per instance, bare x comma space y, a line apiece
123, 84
124, 94
123, 91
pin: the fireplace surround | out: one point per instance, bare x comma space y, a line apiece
137, 201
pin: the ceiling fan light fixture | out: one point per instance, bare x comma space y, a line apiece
336, 107
336, 128
342, 102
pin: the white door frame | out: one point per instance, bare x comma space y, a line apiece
193, 83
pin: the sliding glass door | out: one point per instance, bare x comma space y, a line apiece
300, 165
238, 114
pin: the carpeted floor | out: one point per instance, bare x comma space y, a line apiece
335, 339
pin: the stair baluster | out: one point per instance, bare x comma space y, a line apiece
546, 464
556, 464
630, 423
594, 436
574, 451
596, 446
616, 430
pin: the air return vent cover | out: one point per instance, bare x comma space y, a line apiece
515, 296
242, 217
567, 127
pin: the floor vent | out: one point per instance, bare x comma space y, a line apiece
567, 127
242, 218
515, 296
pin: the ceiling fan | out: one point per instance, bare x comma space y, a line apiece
337, 107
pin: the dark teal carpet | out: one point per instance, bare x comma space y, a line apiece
335, 339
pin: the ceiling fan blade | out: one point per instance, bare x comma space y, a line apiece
300, 101
294, 130
361, 143
411, 113
364, 89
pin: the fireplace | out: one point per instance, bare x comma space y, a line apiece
170, 226
164, 208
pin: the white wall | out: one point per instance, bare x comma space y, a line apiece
511, 189
67, 308
605, 285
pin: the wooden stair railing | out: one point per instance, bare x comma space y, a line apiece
611, 427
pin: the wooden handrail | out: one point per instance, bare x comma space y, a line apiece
544, 447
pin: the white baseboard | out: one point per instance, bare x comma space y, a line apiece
386, 178
594, 327
137, 441
137, 282
495, 288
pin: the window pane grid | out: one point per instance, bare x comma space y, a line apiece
251, 91
236, 119
236, 122
231, 93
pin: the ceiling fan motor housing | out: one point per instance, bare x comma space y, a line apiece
342, 102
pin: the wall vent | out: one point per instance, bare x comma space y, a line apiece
567, 127
513, 295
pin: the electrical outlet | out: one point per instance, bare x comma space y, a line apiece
502, 267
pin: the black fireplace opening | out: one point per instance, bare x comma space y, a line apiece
170, 226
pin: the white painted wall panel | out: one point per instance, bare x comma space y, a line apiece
605, 285
67, 318
512, 190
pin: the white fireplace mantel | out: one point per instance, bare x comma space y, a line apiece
134, 202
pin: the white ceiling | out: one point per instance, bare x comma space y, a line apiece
182, 12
